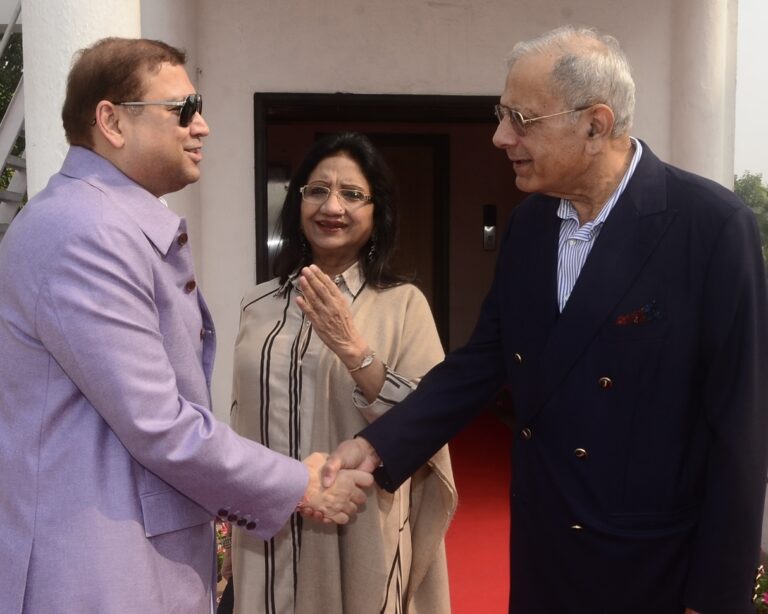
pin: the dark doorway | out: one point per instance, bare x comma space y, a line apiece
420, 165
439, 149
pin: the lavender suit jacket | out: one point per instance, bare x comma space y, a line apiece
112, 465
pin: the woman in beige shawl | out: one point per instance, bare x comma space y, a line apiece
320, 355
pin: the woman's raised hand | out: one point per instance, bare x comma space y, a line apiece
326, 308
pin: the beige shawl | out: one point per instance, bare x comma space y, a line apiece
348, 574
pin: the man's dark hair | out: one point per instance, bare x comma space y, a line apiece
113, 69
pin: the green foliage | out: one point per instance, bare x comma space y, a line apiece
760, 595
11, 68
752, 191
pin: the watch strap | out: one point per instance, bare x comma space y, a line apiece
366, 362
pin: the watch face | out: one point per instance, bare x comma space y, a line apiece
367, 360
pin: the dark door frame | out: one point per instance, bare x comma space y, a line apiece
272, 108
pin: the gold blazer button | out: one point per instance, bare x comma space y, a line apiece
605, 382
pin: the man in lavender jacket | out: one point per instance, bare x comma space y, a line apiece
112, 466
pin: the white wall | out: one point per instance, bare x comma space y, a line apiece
371, 46
752, 89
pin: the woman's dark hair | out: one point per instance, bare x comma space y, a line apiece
294, 250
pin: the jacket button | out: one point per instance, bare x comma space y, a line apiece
526, 433
182, 240
222, 513
250, 526
580, 453
241, 522
190, 285
518, 358
232, 517
605, 382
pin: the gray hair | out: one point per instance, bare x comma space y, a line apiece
590, 68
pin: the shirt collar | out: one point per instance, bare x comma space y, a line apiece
158, 223
567, 211
352, 278
350, 281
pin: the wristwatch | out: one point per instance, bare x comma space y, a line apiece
367, 360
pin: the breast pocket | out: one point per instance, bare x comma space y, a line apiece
637, 320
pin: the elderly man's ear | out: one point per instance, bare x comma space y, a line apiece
601, 121
599, 128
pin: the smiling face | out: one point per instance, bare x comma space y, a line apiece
335, 230
550, 158
159, 154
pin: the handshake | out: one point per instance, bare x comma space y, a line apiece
336, 482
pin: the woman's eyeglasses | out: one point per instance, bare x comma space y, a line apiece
317, 195
187, 108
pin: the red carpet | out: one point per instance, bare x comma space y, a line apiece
478, 539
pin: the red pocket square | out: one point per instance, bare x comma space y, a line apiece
644, 315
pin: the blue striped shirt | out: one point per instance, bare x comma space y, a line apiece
576, 241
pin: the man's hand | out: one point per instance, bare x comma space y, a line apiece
355, 453
337, 502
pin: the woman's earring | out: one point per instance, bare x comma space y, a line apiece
371, 251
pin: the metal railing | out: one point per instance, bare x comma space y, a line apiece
9, 29
11, 128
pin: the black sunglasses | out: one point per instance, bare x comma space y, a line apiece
188, 107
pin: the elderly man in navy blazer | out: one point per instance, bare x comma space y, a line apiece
112, 466
628, 318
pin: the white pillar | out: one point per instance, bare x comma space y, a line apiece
704, 87
52, 33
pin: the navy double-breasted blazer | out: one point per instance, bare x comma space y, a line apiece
639, 459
